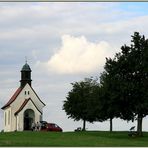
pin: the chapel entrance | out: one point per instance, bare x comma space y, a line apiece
29, 117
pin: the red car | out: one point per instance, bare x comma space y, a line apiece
45, 126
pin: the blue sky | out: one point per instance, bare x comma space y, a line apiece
64, 42
139, 7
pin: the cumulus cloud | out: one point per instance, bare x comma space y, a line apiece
78, 55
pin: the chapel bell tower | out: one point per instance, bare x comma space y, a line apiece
25, 75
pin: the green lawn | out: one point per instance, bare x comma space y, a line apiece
88, 138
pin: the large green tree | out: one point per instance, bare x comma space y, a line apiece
126, 80
81, 101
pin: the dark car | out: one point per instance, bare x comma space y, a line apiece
45, 126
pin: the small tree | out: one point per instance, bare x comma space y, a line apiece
80, 101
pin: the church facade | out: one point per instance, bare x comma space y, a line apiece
24, 107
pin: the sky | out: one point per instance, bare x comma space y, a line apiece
64, 42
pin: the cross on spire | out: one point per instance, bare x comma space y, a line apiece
26, 59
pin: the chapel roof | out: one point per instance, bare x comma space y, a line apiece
26, 67
38, 96
24, 104
17, 92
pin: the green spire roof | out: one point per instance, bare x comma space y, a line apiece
26, 67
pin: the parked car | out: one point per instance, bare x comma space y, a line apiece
45, 126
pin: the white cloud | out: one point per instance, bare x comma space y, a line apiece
78, 55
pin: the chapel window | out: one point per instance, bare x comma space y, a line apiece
9, 117
5, 118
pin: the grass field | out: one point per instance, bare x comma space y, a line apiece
72, 139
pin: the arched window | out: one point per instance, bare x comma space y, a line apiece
9, 117
5, 118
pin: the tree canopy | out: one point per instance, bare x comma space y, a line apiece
80, 101
126, 79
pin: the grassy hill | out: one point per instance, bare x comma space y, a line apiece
88, 138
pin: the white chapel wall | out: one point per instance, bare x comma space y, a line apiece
7, 119
15, 105
29, 105
33, 96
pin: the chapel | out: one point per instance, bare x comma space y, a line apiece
24, 107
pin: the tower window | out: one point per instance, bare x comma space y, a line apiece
28, 92
25, 92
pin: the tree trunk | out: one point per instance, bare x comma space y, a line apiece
111, 124
84, 124
139, 125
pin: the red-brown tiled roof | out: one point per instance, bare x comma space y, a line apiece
38, 96
12, 98
15, 96
23, 105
